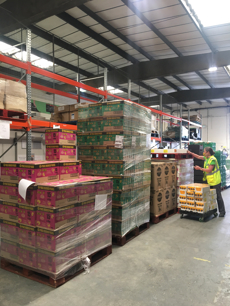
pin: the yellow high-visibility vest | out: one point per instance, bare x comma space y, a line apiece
213, 178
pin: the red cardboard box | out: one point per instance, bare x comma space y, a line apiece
69, 170
59, 136
55, 218
9, 250
9, 230
27, 235
9, 192
60, 152
9, 172
27, 256
27, 215
8, 211
39, 171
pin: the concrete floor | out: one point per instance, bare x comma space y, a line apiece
178, 262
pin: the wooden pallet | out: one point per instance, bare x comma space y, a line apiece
157, 219
9, 114
46, 280
122, 240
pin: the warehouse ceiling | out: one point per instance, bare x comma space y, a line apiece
160, 46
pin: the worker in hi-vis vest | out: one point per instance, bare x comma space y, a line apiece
212, 175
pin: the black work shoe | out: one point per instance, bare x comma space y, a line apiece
221, 215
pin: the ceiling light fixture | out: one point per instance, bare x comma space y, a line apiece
212, 69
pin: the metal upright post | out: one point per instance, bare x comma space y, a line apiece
189, 125
129, 89
78, 79
105, 80
28, 89
161, 119
181, 126
53, 70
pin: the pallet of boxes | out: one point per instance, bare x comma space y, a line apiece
114, 140
13, 96
53, 220
197, 200
67, 113
163, 190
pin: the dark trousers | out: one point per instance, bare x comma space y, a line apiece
219, 198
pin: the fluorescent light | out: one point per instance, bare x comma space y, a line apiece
211, 12
211, 69
112, 90
16, 53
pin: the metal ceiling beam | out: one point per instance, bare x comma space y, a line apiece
105, 24
190, 96
14, 13
85, 29
64, 87
46, 56
168, 67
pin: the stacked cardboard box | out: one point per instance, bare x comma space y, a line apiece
185, 174
197, 198
114, 139
221, 158
66, 113
60, 145
58, 223
13, 96
163, 187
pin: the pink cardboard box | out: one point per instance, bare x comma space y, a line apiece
60, 152
104, 187
9, 192
9, 250
54, 218
8, 211
27, 256
56, 240
85, 207
69, 170
31, 196
27, 235
59, 136
9, 172
9, 230
57, 262
27, 215
39, 171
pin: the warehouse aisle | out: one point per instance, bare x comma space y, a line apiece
177, 263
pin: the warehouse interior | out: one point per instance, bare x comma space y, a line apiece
173, 58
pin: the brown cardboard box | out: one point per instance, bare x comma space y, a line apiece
74, 115
56, 117
157, 181
2, 86
167, 174
73, 107
1, 100
168, 198
15, 103
62, 109
65, 117
15, 89
157, 203
173, 170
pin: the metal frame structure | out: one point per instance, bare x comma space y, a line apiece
31, 124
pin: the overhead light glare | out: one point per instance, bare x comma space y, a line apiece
210, 12
112, 90
211, 69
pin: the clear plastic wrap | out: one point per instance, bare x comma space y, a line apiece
68, 221
114, 139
